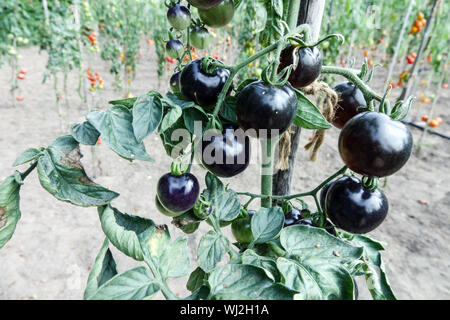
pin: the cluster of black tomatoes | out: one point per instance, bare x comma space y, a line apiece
370, 143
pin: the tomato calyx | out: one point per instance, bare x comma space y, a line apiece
202, 208
176, 167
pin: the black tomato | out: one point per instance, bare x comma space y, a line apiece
350, 98
372, 144
200, 37
261, 106
204, 4
178, 194
241, 228
201, 87
323, 193
175, 82
306, 62
179, 16
226, 155
353, 208
174, 48
292, 217
219, 15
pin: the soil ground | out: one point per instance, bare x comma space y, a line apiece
55, 244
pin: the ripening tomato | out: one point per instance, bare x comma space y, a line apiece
439, 120
21, 76
420, 15
433, 123
20, 98
424, 118
444, 86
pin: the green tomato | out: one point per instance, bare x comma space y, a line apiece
241, 229
187, 222
222, 224
218, 16
200, 38
164, 211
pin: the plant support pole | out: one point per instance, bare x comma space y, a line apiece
311, 13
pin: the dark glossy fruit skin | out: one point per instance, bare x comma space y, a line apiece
374, 145
177, 194
205, 4
175, 82
201, 87
226, 155
174, 48
241, 228
350, 98
179, 16
261, 106
323, 193
307, 63
200, 38
354, 208
218, 16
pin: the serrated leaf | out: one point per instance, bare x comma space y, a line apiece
116, 129
104, 269
170, 118
62, 175
9, 208
376, 278
311, 242
147, 115
134, 284
267, 223
123, 230
245, 282
85, 133
211, 248
308, 115
27, 156
316, 280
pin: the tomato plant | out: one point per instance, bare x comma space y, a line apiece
286, 248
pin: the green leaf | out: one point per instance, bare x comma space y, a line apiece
211, 248
147, 115
311, 242
226, 204
228, 110
116, 129
134, 284
85, 133
62, 175
316, 279
170, 118
9, 208
245, 282
65, 143
173, 101
128, 103
123, 230
194, 114
27, 156
104, 269
269, 265
377, 281
158, 241
174, 146
267, 223
196, 279
308, 115
174, 261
